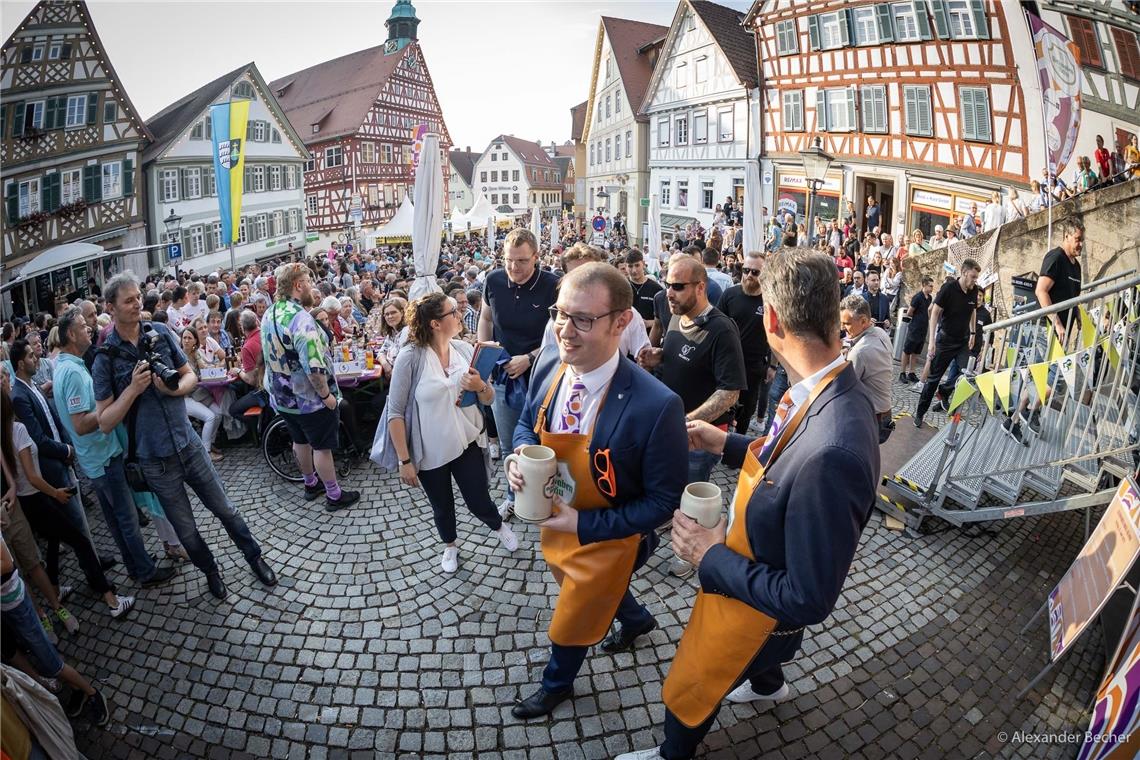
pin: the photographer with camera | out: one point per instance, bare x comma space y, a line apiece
141, 374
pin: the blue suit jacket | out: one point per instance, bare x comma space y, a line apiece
52, 452
642, 423
805, 517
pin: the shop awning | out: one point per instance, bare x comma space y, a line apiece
59, 257
669, 221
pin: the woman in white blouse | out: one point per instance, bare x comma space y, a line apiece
200, 404
434, 439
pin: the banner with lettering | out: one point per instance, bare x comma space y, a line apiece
1059, 72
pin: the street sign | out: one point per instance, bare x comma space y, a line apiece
645, 203
599, 223
174, 251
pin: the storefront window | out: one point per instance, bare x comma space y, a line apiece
792, 197
930, 207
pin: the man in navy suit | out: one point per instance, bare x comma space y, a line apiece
805, 494
619, 436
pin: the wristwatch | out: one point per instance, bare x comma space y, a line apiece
405, 461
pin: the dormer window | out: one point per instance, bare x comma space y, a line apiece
243, 90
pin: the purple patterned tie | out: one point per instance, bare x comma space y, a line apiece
572, 412
777, 426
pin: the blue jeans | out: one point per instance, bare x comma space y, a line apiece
700, 465
22, 624
122, 518
506, 420
168, 478
776, 392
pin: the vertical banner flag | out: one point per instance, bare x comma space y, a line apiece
228, 124
417, 145
1059, 71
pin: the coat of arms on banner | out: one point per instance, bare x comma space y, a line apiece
229, 151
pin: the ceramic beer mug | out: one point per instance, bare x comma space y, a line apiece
702, 502
535, 502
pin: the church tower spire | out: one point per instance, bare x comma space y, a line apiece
402, 26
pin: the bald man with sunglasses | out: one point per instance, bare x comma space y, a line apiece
619, 437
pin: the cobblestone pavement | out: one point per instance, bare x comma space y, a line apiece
365, 650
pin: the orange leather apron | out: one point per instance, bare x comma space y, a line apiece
724, 635
592, 578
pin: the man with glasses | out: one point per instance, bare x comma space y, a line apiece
700, 359
744, 305
619, 436
516, 300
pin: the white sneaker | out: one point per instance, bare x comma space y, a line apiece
506, 509
450, 560
507, 537
125, 604
641, 754
744, 693
495, 451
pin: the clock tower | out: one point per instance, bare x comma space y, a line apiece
402, 26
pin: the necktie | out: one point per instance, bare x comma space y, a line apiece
778, 421
572, 412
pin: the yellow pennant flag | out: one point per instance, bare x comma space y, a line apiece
1056, 350
962, 392
985, 383
1011, 356
1002, 385
1113, 355
1088, 329
1040, 375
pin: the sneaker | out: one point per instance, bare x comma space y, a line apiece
917, 421
913, 378
680, 568
506, 509
744, 693
494, 450
1013, 430
49, 629
449, 562
641, 754
347, 499
162, 574
99, 709
124, 604
917, 387
313, 491
1033, 421
75, 704
902, 377
939, 405
507, 538
70, 624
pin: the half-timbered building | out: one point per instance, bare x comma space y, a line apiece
179, 170
701, 106
359, 115
517, 175
919, 101
69, 154
615, 131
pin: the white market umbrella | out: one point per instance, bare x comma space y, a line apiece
427, 221
536, 225
491, 235
653, 260
554, 238
753, 231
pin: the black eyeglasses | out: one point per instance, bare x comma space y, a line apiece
678, 286
750, 270
445, 315
581, 323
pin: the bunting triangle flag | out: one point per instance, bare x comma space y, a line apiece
1110, 349
1088, 328
1056, 350
1040, 375
1003, 382
1068, 367
1010, 356
1085, 365
962, 392
985, 383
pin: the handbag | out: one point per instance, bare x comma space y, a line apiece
383, 452
40, 712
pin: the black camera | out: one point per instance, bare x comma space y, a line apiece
168, 376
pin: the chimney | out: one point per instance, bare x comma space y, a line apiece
467, 149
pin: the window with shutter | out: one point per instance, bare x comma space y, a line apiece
866, 25
981, 23
65, 51
921, 8
128, 177
975, 111
821, 110
941, 14
793, 110
18, 120
874, 108
966, 107
883, 18
1083, 32
813, 32
92, 184
92, 107
787, 39
1127, 51
12, 202
916, 107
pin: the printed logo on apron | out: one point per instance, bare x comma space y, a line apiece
562, 484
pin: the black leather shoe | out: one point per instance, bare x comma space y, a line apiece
216, 584
161, 575
108, 562
347, 498
312, 492
263, 572
540, 703
621, 638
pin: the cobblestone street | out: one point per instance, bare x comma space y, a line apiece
365, 650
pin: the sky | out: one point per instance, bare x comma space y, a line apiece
498, 67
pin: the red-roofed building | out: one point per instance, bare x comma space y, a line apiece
358, 115
518, 173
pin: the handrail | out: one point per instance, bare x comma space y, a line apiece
1062, 306
1104, 280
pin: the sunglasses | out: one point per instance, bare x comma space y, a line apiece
678, 286
607, 482
750, 270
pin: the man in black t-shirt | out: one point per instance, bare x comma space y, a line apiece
919, 314
744, 305
953, 317
644, 288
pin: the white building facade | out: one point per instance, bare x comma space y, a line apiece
180, 178
518, 173
459, 193
702, 108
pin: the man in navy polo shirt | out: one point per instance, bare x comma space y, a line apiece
170, 453
516, 308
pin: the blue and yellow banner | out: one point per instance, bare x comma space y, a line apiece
228, 126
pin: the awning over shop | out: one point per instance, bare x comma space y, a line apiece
669, 221
61, 256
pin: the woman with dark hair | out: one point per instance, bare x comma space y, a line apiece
200, 404
434, 439
394, 330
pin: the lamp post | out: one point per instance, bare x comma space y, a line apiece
173, 224
816, 162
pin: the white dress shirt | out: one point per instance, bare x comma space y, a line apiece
39, 397
801, 390
597, 381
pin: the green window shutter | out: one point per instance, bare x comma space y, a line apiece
92, 183
925, 118
49, 113
92, 107
65, 51
921, 14
56, 191
845, 26
249, 131
184, 182
45, 193
883, 16
813, 31
12, 202
18, 120
26, 54
247, 180
981, 25
982, 115
941, 18
966, 108
128, 177
821, 110
851, 109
